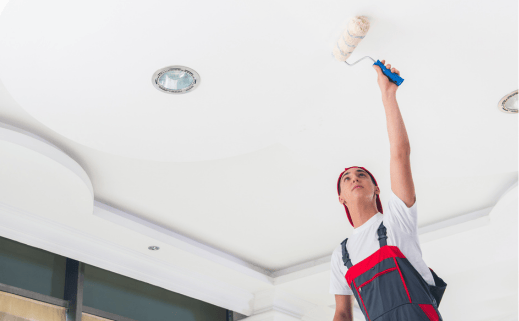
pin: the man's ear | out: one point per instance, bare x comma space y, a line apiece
377, 190
341, 200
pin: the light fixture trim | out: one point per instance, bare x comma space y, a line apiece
507, 98
191, 72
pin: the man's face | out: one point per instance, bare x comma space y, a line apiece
356, 184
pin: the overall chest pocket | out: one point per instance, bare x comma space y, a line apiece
381, 288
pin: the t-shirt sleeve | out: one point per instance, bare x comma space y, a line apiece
338, 283
406, 218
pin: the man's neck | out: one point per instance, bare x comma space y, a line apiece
359, 215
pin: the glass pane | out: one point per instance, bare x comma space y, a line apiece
140, 301
32, 269
176, 80
15, 307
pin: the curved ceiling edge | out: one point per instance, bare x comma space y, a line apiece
35, 143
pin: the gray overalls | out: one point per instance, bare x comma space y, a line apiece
388, 288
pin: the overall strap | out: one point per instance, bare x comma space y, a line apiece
382, 235
345, 255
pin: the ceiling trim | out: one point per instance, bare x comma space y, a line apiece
426, 234
277, 304
39, 145
454, 225
179, 241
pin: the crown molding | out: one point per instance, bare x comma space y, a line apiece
426, 234
278, 305
179, 241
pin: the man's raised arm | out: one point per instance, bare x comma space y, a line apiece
400, 165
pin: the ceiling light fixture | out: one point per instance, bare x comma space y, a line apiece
508, 104
175, 80
153, 248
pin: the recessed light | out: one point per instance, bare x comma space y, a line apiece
508, 104
154, 248
175, 79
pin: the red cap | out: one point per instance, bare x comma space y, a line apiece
379, 204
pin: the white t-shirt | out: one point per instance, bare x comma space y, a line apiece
401, 225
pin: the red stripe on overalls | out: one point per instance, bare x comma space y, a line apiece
376, 275
405, 286
383, 253
360, 296
429, 312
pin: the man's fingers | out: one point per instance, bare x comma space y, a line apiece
388, 66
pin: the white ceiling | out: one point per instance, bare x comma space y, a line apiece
247, 163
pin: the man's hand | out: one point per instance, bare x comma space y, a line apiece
387, 87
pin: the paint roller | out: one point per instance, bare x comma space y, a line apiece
357, 29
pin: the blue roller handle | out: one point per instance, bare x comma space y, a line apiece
392, 76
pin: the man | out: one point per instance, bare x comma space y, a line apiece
397, 228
